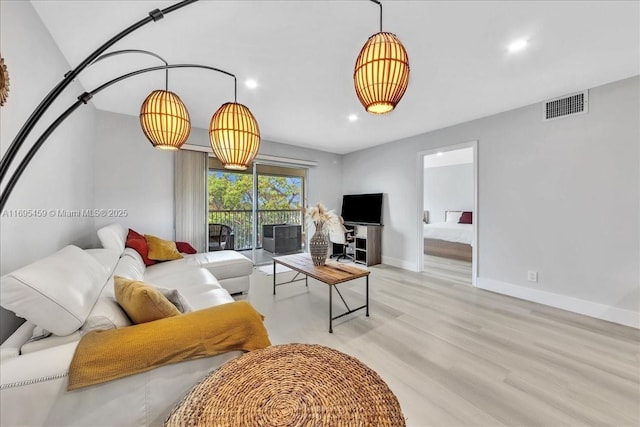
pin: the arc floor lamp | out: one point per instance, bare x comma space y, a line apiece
221, 132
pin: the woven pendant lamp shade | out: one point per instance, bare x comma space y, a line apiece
381, 73
165, 120
234, 136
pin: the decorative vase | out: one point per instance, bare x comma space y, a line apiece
319, 245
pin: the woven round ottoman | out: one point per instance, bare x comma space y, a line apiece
290, 385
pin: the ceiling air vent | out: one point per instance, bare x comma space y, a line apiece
568, 105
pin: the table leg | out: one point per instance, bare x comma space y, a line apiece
367, 296
330, 309
274, 277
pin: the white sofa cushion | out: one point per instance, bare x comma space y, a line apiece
161, 269
113, 236
204, 296
184, 278
222, 264
49, 342
130, 266
108, 258
56, 292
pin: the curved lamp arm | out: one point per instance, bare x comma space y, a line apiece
145, 52
27, 127
83, 99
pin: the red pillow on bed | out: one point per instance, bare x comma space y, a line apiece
137, 242
466, 218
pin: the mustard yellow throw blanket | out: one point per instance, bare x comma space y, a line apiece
107, 355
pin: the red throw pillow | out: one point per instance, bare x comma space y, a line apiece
185, 248
466, 218
134, 235
137, 242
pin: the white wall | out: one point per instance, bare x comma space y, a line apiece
559, 197
60, 176
130, 174
324, 180
448, 188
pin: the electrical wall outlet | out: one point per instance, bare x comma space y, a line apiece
532, 276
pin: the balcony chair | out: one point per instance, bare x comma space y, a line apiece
342, 238
282, 238
220, 237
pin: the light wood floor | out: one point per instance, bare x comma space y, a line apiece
456, 356
456, 272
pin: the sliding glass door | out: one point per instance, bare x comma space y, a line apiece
246, 200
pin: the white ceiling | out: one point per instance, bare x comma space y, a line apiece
302, 54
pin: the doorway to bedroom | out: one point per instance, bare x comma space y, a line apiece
448, 216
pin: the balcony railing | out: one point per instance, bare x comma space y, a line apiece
241, 222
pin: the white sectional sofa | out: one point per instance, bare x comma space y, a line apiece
70, 293
230, 268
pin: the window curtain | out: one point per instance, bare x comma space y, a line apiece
191, 198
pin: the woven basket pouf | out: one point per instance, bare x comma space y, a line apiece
290, 385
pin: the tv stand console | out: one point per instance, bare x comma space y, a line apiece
368, 243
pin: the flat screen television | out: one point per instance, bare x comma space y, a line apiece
362, 208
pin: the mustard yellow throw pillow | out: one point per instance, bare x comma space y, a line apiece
141, 302
162, 250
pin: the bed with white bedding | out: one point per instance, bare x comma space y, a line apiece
449, 239
461, 233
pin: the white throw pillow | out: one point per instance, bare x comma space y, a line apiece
113, 236
453, 216
106, 314
56, 293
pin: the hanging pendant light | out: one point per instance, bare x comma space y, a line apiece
234, 136
381, 73
233, 131
165, 120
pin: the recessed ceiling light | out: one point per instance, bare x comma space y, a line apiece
440, 153
251, 84
352, 117
518, 45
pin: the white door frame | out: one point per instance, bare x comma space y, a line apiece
419, 214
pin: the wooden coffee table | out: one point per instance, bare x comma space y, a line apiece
332, 273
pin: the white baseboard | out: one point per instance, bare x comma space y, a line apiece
588, 308
400, 263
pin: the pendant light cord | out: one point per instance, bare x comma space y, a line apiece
379, 4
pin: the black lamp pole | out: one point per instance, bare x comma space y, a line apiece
28, 126
83, 99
